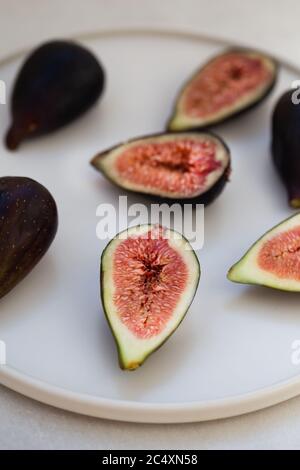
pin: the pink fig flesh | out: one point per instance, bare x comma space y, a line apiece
274, 260
149, 276
227, 85
182, 166
281, 255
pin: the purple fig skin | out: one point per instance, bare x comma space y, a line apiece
286, 145
58, 82
28, 224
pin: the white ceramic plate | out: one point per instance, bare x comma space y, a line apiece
232, 354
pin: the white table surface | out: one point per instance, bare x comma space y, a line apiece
269, 24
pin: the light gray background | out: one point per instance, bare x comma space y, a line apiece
269, 24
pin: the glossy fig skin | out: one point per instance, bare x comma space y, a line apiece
28, 224
58, 82
286, 145
205, 198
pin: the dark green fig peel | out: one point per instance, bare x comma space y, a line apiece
176, 167
286, 145
58, 82
28, 224
227, 85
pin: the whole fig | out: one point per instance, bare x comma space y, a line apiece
286, 145
57, 83
28, 224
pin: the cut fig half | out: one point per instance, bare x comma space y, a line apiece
182, 167
149, 276
274, 260
227, 85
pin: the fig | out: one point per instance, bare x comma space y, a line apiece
57, 83
28, 224
182, 167
149, 276
286, 145
274, 260
227, 85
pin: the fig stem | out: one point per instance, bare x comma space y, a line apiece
295, 203
13, 137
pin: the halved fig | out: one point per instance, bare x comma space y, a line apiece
149, 276
274, 260
227, 85
286, 144
183, 166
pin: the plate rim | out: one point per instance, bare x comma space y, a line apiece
155, 413
134, 411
